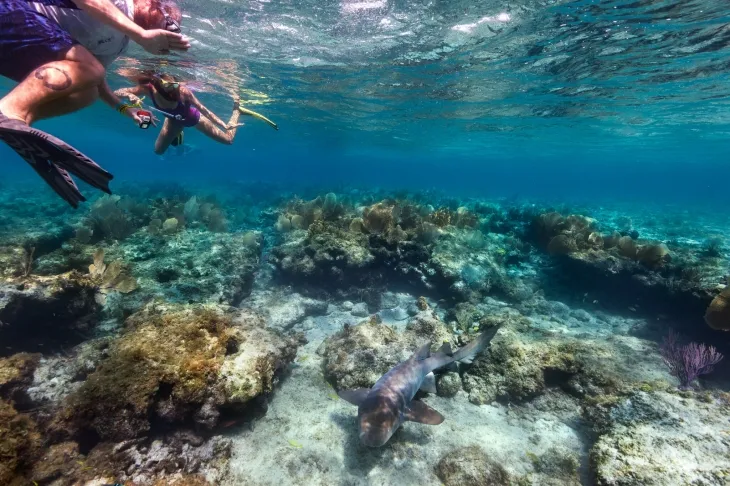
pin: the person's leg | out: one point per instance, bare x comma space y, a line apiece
169, 131
46, 61
207, 127
69, 104
79, 71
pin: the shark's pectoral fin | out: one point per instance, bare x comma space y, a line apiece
429, 383
356, 396
423, 414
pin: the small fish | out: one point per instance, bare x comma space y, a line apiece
333, 396
229, 423
302, 359
294, 444
389, 403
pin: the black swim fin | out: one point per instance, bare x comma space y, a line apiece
53, 159
60, 181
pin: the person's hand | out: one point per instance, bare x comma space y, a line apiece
133, 113
134, 99
231, 126
160, 41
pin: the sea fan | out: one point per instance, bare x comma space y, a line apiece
688, 361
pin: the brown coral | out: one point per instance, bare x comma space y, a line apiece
168, 367
549, 225
717, 315
164, 357
465, 218
611, 240
111, 277
595, 240
16, 374
627, 247
561, 245
653, 254
471, 466
441, 217
378, 218
19, 444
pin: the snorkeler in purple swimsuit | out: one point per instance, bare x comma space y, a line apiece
188, 115
181, 109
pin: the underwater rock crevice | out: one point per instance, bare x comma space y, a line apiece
43, 314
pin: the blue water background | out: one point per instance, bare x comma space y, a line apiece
396, 96
582, 166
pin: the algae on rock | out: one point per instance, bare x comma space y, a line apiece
168, 367
655, 439
19, 444
471, 466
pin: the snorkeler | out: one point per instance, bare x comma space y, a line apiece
181, 110
58, 51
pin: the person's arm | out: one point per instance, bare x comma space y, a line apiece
155, 41
132, 92
111, 98
205, 111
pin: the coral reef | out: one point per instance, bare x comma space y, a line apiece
640, 433
175, 364
20, 443
27, 303
396, 242
717, 315
471, 466
120, 349
16, 375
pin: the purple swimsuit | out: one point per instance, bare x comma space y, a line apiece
184, 113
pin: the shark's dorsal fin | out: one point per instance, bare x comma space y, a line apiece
446, 349
419, 412
356, 396
423, 352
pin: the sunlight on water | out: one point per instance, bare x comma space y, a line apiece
614, 73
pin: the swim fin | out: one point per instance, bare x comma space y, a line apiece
60, 181
246, 111
53, 159
178, 140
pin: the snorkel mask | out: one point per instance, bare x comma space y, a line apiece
171, 25
170, 90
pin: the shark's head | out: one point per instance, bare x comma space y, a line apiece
378, 421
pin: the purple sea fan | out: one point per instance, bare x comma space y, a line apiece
688, 361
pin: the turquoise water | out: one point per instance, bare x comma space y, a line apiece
609, 99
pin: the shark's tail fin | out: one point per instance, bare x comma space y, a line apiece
444, 356
477, 346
